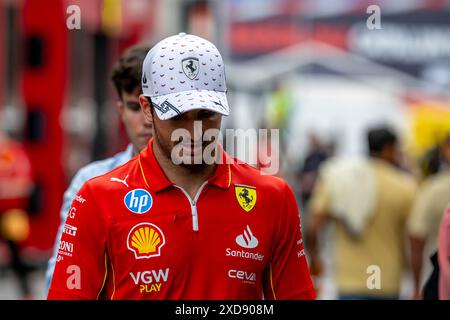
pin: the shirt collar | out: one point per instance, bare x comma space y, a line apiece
129, 152
222, 174
156, 180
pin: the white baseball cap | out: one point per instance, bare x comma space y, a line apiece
183, 73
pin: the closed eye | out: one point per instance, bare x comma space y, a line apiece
134, 106
178, 117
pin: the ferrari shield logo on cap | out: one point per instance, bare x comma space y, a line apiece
246, 196
190, 67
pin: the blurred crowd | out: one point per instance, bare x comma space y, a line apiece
386, 216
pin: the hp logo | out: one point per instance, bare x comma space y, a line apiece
138, 201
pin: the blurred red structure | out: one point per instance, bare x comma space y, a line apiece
43, 84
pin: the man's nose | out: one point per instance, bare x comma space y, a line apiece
195, 129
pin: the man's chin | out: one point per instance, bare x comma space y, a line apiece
194, 167
142, 146
191, 160
142, 143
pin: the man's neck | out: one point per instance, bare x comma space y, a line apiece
184, 177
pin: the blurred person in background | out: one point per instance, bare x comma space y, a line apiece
16, 186
278, 112
126, 77
437, 286
369, 201
423, 224
444, 256
318, 152
279, 107
434, 160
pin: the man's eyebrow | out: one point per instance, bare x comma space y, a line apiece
206, 113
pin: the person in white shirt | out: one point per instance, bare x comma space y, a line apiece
126, 77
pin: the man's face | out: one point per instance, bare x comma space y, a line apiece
163, 130
139, 130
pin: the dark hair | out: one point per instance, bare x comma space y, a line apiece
126, 74
378, 138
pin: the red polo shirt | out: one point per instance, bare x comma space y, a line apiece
133, 234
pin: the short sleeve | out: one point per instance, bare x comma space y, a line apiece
288, 275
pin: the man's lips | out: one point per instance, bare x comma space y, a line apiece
192, 148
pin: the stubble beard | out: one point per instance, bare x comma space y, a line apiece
166, 148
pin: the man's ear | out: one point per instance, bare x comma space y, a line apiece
146, 108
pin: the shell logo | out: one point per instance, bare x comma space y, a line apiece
145, 240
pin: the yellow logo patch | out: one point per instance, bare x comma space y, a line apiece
246, 196
145, 240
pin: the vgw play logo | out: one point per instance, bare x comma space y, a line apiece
138, 201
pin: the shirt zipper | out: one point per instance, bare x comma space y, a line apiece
193, 203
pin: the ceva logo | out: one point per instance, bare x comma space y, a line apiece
138, 201
242, 275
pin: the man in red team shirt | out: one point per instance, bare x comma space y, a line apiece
154, 229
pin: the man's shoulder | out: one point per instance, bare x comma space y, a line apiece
439, 180
95, 168
402, 181
100, 167
408, 180
122, 174
436, 185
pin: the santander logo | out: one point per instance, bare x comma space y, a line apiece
247, 239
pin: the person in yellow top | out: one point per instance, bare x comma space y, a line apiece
423, 224
369, 201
